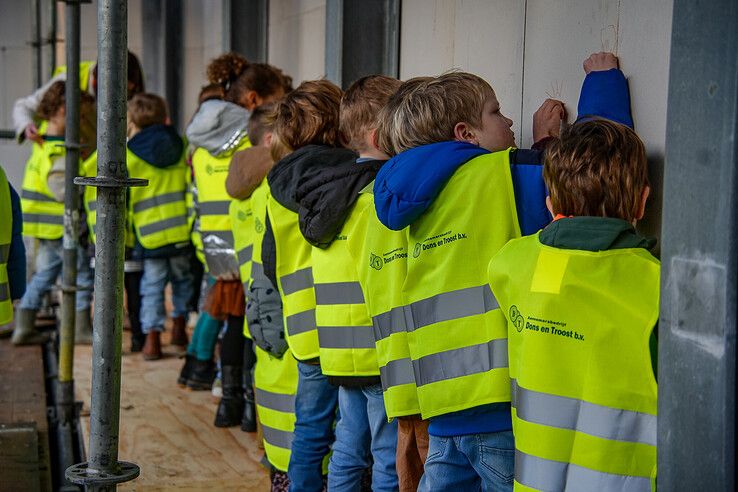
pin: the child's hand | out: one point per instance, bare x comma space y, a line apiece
547, 120
31, 133
599, 62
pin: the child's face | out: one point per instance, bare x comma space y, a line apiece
495, 133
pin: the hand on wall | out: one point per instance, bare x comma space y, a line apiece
547, 119
601, 61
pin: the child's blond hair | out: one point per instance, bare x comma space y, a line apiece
426, 110
597, 168
360, 106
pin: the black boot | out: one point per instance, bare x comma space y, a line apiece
184, 374
248, 420
137, 341
230, 408
202, 374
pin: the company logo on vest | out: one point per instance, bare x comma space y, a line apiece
516, 318
375, 262
258, 226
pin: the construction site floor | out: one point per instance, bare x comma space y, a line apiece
169, 431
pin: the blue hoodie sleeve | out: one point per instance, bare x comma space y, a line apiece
17, 255
606, 94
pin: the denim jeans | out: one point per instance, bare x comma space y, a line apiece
471, 462
315, 413
156, 274
363, 433
49, 267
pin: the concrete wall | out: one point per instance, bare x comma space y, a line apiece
297, 37
533, 49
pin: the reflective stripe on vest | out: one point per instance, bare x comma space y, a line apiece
380, 258
159, 210
43, 215
456, 333
295, 281
275, 382
345, 332
584, 397
6, 237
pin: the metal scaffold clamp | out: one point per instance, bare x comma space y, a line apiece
82, 474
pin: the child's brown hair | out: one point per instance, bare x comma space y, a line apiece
236, 76
307, 115
260, 123
597, 168
146, 109
53, 99
360, 107
426, 110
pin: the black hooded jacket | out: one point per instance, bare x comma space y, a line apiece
325, 201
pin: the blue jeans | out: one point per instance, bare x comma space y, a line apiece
48, 269
156, 274
363, 433
471, 462
315, 412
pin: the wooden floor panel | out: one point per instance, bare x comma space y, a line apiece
169, 431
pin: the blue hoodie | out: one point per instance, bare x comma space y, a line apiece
409, 183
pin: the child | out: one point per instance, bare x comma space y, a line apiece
329, 209
443, 132
12, 253
306, 130
159, 218
581, 299
42, 201
218, 130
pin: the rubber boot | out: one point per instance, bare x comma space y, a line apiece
201, 375
248, 419
184, 374
137, 341
152, 346
179, 332
25, 332
230, 408
83, 327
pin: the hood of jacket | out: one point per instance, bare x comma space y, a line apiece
326, 199
409, 182
218, 126
158, 145
286, 175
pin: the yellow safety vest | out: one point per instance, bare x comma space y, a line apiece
89, 169
584, 393
276, 386
6, 237
456, 333
84, 73
380, 258
210, 173
295, 281
159, 210
345, 332
242, 222
43, 215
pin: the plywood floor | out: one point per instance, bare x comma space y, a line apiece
169, 431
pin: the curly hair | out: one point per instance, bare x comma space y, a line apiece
226, 68
52, 100
307, 115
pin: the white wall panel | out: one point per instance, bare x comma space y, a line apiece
297, 37
480, 36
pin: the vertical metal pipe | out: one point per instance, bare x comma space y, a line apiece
51, 37
71, 210
111, 225
36, 41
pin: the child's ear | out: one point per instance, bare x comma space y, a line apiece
251, 100
464, 133
550, 206
373, 140
642, 206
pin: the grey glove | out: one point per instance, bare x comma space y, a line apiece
264, 316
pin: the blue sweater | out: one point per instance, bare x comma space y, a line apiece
17, 256
409, 183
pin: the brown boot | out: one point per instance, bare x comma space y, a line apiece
179, 332
152, 346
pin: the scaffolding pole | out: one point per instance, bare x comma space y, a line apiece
65, 409
51, 37
103, 471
